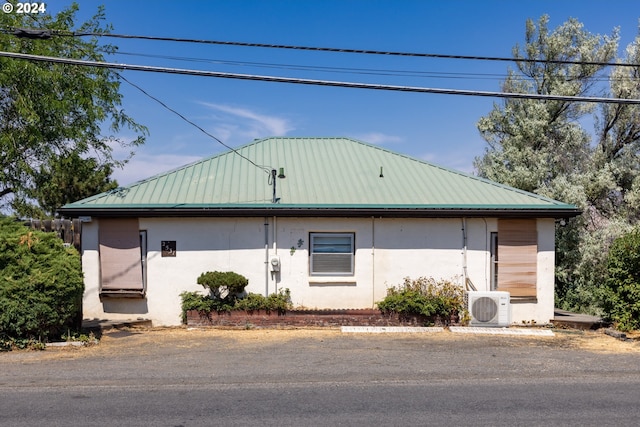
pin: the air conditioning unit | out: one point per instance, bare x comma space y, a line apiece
490, 308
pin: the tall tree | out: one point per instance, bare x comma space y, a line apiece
65, 180
542, 146
52, 111
618, 138
531, 142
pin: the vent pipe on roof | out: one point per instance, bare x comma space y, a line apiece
381, 174
273, 184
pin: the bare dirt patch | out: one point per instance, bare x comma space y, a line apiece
137, 341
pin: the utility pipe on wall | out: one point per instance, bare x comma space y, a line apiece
373, 260
467, 282
266, 256
275, 253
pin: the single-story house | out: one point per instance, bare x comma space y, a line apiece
334, 220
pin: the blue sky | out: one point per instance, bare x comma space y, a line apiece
437, 128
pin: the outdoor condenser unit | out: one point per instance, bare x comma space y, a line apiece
489, 308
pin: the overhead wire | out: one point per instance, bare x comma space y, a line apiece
316, 68
345, 70
47, 33
338, 50
328, 83
200, 128
184, 118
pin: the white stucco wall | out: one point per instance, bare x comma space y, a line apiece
387, 250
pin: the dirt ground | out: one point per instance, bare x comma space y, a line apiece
131, 341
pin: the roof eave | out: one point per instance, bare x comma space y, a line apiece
566, 211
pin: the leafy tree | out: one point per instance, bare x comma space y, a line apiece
52, 111
67, 179
542, 146
41, 283
533, 143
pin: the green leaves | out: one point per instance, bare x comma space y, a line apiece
68, 179
52, 111
223, 285
425, 297
621, 292
41, 283
277, 302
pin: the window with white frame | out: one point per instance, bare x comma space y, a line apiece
331, 254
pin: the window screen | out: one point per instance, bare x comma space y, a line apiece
332, 253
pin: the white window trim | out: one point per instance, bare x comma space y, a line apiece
312, 236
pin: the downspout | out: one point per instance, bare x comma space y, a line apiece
373, 262
467, 282
275, 252
266, 256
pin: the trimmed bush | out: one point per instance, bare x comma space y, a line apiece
280, 303
226, 293
424, 297
41, 284
277, 302
621, 291
225, 285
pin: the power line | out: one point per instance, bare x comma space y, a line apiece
317, 68
335, 50
328, 83
46, 33
348, 70
266, 170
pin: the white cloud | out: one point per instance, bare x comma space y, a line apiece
243, 124
378, 138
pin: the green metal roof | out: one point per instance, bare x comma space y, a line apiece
321, 174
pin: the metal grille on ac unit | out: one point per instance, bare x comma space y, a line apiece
489, 308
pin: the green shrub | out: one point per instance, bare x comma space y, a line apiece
280, 303
277, 302
225, 285
196, 301
425, 297
621, 291
41, 284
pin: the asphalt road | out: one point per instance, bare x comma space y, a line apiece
320, 378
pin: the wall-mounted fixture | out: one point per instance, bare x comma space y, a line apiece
275, 263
